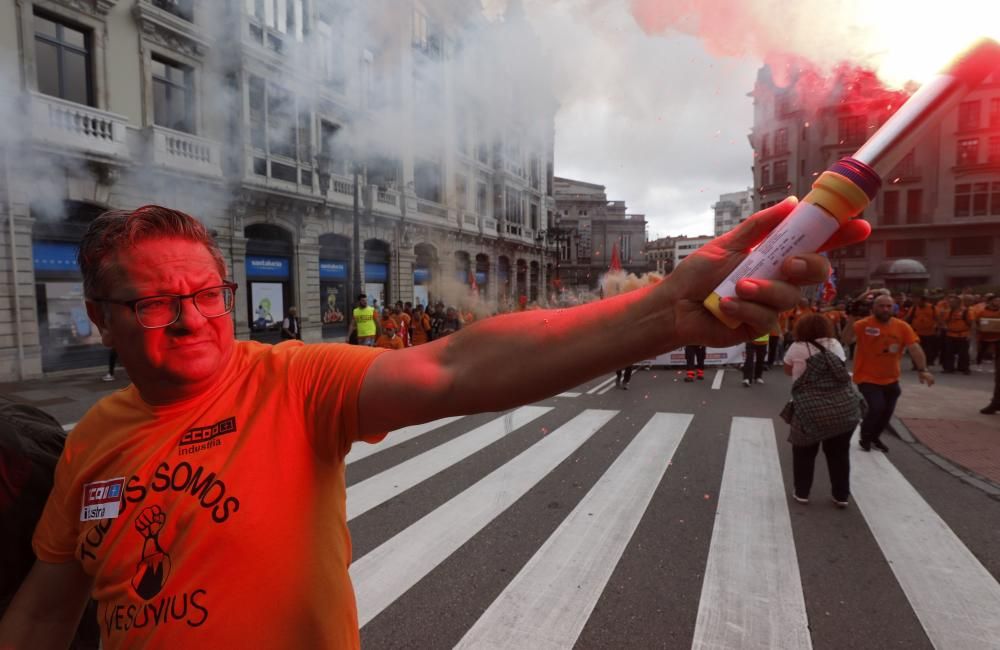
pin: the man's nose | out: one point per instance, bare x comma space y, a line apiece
190, 318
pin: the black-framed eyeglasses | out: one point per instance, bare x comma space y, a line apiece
154, 312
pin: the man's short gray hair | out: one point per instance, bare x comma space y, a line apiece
118, 230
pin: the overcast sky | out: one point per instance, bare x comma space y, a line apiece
661, 116
657, 119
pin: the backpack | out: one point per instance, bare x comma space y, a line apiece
825, 402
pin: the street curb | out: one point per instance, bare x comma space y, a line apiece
992, 489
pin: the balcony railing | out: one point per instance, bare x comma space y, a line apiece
342, 186
75, 126
184, 152
431, 209
387, 197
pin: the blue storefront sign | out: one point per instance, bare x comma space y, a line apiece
55, 256
376, 272
332, 270
267, 267
421, 276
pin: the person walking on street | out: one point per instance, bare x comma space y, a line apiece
988, 331
365, 322
421, 326
291, 329
958, 325
753, 367
923, 319
994, 406
819, 380
388, 339
112, 360
881, 341
623, 376
695, 357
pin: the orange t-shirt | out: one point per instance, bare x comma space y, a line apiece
924, 320
394, 343
879, 349
220, 521
958, 322
421, 328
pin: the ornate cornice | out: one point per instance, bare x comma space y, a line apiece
170, 31
97, 8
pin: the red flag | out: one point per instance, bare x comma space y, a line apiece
472, 283
616, 261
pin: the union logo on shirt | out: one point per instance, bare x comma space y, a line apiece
102, 499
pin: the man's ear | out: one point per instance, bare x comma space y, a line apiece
99, 316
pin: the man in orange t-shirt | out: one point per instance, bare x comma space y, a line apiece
421, 326
388, 340
881, 341
923, 319
205, 505
958, 326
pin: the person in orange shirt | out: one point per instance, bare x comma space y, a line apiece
881, 341
402, 321
388, 340
205, 504
958, 325
421, 326
923, 319
989, 341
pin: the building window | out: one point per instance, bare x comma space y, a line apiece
995, 201
914, 205
854, 251
280, 17
764, 153
781, 172
995, 112
973, 199
765, 175
427, 180
180, 8
461, 194
534, 217
904, 248
993, 151
62, 59
968, 116
173, 95
851, 129
280, 125
906, 168
960, 282
781, 141
967, 246
890, 207
968, 151
481, 197
330, 55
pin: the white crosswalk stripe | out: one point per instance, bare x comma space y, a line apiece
378, 489
952, 593
752, 593
601, 385
383, 575
548, 603
398, 437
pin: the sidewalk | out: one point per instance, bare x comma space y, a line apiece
66, 397
946, 420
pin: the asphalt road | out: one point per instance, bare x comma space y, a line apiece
470, 533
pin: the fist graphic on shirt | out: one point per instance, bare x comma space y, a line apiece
150, 521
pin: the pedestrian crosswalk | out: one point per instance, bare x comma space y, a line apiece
751, 592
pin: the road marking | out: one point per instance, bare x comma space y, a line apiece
397, 437
387, 572
549, 601
752, 593
376, 490
953, 595
600, 385
717, 381
569, 394
606, 389
68, 427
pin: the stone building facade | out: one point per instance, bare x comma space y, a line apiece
270, 120
589, 227
939, 209
732, 209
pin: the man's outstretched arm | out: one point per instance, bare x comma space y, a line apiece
47, 608
520, 358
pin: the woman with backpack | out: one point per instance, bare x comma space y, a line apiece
824, 410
